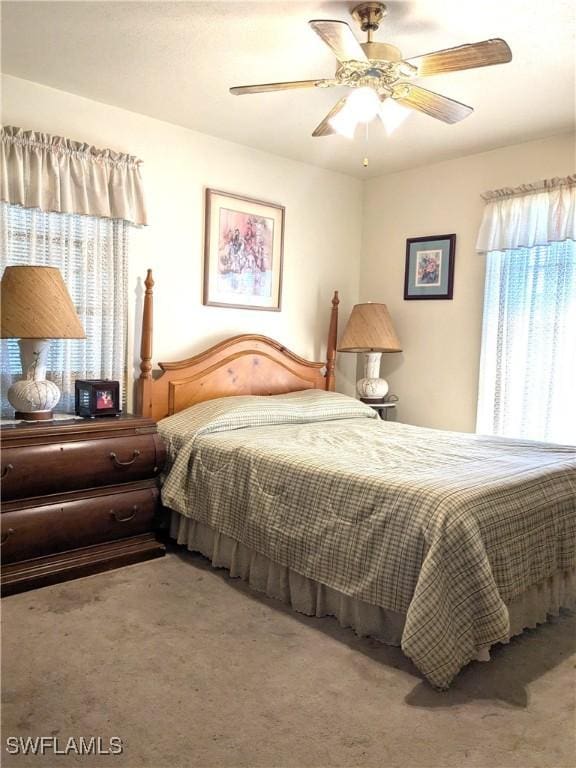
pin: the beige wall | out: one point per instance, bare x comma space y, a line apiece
336, 237
436, 376
322, 233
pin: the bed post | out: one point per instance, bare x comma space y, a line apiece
331, 350
144, 383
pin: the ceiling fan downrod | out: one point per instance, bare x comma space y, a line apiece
369, 16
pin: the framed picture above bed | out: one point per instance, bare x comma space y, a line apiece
243, 252
430, 267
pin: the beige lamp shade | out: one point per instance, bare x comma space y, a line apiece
370, 329
36, 305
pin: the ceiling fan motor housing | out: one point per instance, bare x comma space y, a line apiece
378, 75
381, 52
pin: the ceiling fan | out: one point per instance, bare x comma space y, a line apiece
379, 74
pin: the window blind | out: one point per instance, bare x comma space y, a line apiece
91, 253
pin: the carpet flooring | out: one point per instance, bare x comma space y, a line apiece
191, 668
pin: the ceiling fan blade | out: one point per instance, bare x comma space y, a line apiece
324, 128
482, 54
240, 90
339, 37
433, 104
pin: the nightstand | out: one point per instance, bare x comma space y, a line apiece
384, 409
79, 496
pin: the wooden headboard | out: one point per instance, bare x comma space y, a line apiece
241, 365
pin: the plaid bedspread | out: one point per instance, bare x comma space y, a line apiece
444, 527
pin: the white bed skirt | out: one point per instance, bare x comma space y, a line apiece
314, 599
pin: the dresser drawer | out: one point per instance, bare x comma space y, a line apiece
57, 467
40, 530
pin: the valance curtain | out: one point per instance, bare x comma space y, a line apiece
530, 215
59, 175
528, 359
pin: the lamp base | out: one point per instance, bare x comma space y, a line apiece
34, 415
372, 387
33, 397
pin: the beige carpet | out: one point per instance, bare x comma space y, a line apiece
190, 668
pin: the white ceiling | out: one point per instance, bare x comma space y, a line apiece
176, 60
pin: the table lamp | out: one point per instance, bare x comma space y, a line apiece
370, 330
36, 307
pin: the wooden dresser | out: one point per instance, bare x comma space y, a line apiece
78, 497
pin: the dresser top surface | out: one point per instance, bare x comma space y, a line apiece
85, 427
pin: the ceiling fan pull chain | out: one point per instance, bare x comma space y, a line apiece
365, 161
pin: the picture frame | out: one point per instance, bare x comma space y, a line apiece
243, 252
429, 271
97, 397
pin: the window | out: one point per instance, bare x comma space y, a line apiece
91, 252
528, 363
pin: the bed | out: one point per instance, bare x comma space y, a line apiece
440, 542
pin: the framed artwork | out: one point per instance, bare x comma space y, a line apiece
430, 267
243, 251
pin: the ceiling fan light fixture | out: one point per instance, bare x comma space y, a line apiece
393, 115
344, 123
361, 106
364, 104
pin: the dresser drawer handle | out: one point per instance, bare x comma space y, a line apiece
128, 463
4, 536
130, 516
7, 469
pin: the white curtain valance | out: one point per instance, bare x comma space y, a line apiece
59, 175
528, 216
